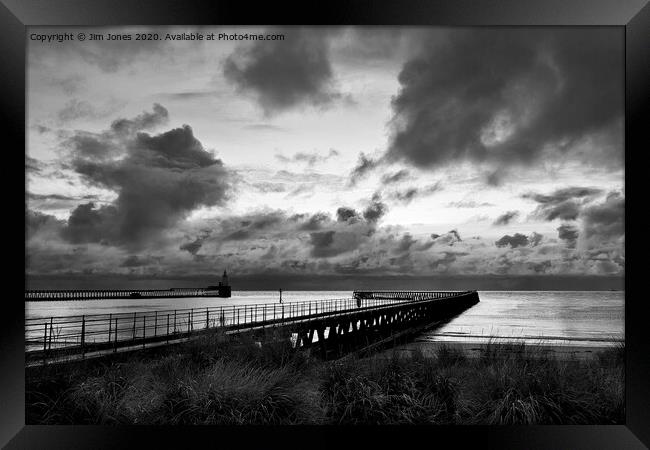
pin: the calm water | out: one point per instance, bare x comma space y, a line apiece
562, 317
584, 318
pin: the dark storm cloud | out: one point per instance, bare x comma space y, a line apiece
449, 238
408, 195
344, 214
159, 180
113, 141
504, 96
405, 243
562, 195
287, 73
444, 260
322, 243
364, 166
140, 261
89, 224
256, 225
315, 222
375, 211
145, 121
395, 177
540, 267
518, 240
36, 221
325, 244
605, 221
194, 246
506, 218
564, 204
91, 145
569, 234
310, 158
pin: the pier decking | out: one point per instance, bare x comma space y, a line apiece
330, 327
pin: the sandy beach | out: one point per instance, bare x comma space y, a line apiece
473, 349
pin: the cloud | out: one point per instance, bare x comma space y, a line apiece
395, 177
285, 74
345, 214
506, 97
38, 222
144, 121
264, 126
140, 261
375, 210
564, 204
310, 158
270, 187
569, 234
56, 201
468, 204
518, 240
33, 164
405, 243
159, 179
506, 218
535, 239
364, 166
315, 222
408, 195
195, 245
443, 262
450, 238
605, 221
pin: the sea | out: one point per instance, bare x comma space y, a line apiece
574, 318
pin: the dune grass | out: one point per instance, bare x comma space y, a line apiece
214, 380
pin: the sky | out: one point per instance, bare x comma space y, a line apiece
333, 152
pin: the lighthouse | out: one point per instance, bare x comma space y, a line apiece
222, 289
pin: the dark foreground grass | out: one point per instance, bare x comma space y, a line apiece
216, 381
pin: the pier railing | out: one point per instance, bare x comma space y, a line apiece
98, 294
108, 332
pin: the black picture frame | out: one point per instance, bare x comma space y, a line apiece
633, 15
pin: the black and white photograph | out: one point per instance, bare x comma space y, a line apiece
325, 225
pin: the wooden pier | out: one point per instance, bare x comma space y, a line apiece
101, 294
330, 328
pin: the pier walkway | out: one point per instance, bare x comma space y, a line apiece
330, 327
100, 294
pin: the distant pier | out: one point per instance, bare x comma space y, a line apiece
222, 289
99, 294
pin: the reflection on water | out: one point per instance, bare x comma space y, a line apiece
575, 318
558, 317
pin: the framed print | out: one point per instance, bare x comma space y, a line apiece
324, 221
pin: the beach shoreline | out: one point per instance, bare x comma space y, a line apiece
429, 349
